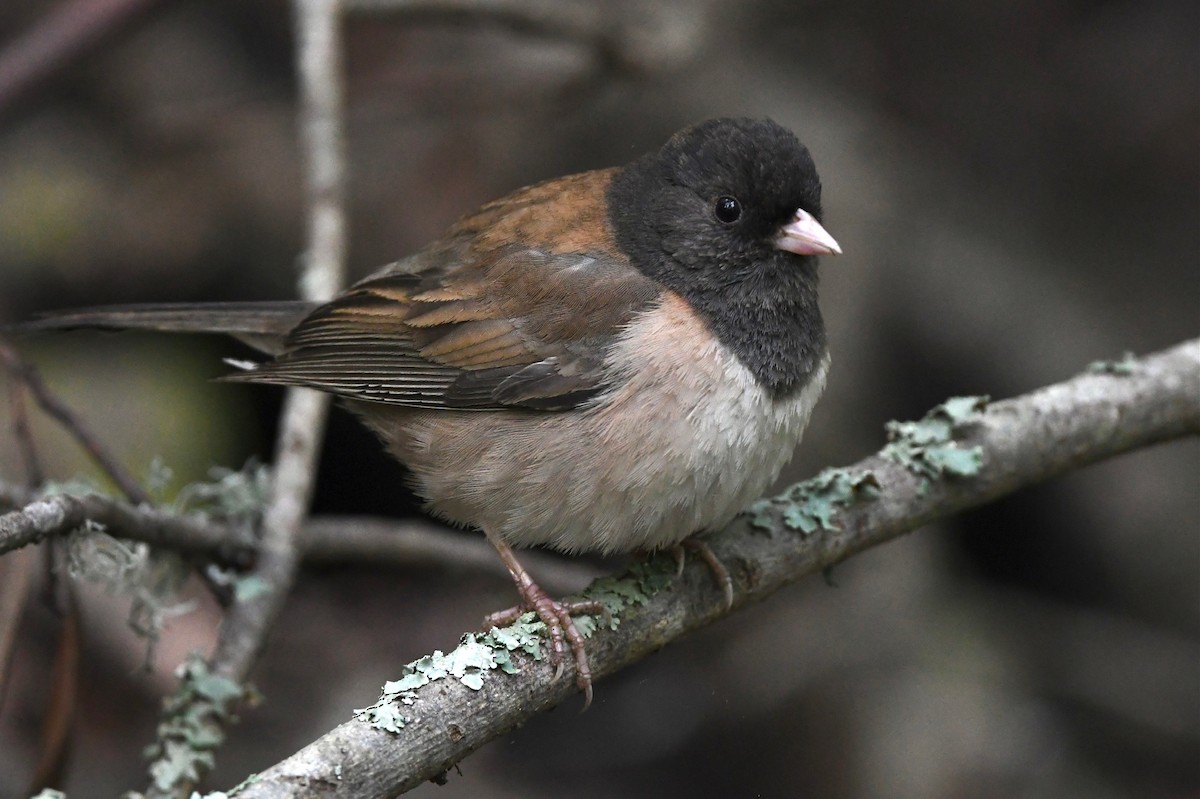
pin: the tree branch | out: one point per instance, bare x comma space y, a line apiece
418, 543
362, 539
1021, 441
244, 631
64, 34
60, 514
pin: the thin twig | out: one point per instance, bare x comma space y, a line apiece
412, 544
244, 631
34, 474
58, 515
68, 32
62, 706
57, 721
16, 576
16, 573
297, 449
49, 402
323, 539
1022, 441
56, 733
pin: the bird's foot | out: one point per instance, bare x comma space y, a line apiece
719, 572
554, 614
559, 626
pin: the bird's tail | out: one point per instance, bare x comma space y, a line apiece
262, 325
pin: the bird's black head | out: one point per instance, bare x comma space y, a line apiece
712, 205
727, 214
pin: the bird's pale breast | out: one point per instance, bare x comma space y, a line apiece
683, 443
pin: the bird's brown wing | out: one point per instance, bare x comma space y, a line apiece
515, 307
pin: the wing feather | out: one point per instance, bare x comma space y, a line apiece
477, 321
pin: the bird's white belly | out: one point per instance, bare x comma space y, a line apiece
687, 440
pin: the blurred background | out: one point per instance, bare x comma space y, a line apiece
1017, 190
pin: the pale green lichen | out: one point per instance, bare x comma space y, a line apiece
523, 635
1121, 368
634, 588
230, 496
236, 498
73, 487
151, 579
927, 447
478, 654
193, 725
195, 716
474, 656
814, 503
383, 715
249, 586
158, 478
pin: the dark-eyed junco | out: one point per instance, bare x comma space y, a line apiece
607, 361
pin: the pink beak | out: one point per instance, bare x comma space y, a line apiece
803, 235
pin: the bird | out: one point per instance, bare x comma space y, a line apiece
605, 362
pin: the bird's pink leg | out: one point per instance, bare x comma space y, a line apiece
556, 615
719, 572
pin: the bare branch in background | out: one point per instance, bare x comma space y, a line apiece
58, 515
22, 433
384, 542
16, 577
244, 630
303, 423
16, 573
69, 32
63, 703
49, 402
1020, 441
323, 539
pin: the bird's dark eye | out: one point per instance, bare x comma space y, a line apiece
728, 210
